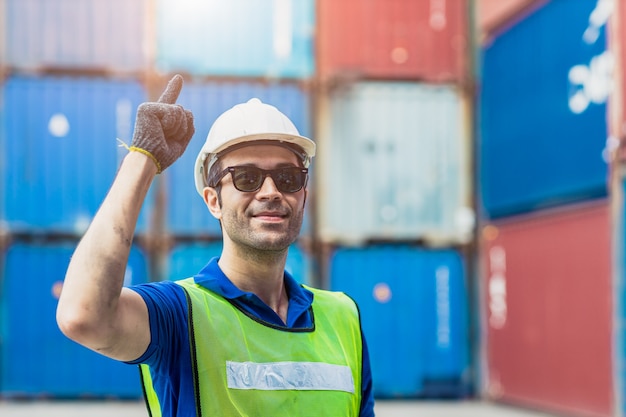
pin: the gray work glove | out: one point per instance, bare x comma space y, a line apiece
163, 129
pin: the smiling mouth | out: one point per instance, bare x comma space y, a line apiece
270, 216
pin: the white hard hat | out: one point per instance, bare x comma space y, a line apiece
248, 122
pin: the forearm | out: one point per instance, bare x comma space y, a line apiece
89, 302
94, 309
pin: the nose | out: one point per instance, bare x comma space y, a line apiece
268, 190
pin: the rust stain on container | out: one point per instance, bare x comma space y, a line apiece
548, 292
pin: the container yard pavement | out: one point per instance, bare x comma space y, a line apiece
383, 409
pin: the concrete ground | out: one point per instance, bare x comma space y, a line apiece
383, 409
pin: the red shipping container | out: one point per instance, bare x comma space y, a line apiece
393, 39
621, 52
549, 310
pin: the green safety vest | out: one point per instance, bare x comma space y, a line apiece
243, 366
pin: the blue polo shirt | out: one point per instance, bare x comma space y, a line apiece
168, 354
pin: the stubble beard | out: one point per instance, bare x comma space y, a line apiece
261, 240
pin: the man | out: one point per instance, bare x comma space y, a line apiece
241, 338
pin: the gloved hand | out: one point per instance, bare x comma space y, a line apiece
163, 129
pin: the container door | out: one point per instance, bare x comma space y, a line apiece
543, 111
37, 359
395, 164
549, 312
60, 150
84, 34
412, 310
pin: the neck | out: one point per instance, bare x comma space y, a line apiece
261, 273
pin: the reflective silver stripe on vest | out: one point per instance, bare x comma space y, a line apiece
289, 376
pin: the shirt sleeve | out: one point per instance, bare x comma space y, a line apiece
167, 311
367, 395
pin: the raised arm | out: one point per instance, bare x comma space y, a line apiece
94, 309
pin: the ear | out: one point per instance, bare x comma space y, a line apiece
211, 200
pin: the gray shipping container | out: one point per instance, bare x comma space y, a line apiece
74, 34
394, 164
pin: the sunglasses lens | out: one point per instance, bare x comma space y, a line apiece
287, 180
247, 178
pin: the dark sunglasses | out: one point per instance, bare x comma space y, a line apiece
248, 179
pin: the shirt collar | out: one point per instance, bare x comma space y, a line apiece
213, 278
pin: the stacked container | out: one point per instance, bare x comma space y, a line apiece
617, 128
393, 184
71, 83
547, 266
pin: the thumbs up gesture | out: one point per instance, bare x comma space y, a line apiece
163, 129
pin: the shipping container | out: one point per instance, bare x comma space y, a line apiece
60, 151
187, 259
244, 38
395, 164
187, 213
86, 34
3, 34
391, 39
620, 70
413, 306
495, 15
543, 115
547, 279
37, 359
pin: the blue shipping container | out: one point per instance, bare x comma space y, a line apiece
413, 305
543, 111
37, 359
76, 34
188, 259
236, 38
59, 153
187, 213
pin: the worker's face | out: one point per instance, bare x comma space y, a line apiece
266, 219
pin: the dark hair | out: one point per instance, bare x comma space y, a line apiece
212, 175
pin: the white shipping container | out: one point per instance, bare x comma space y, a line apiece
243, 38
394, 162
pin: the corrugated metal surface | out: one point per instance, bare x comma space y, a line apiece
549, 314
236, 37
37, 359
186, 212
187, 259
621, 31
79, 34
493, 15
3, 35
413, 305
395, 163
59, 149
543, 111
425, 39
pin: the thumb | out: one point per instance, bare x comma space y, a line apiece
170, 95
